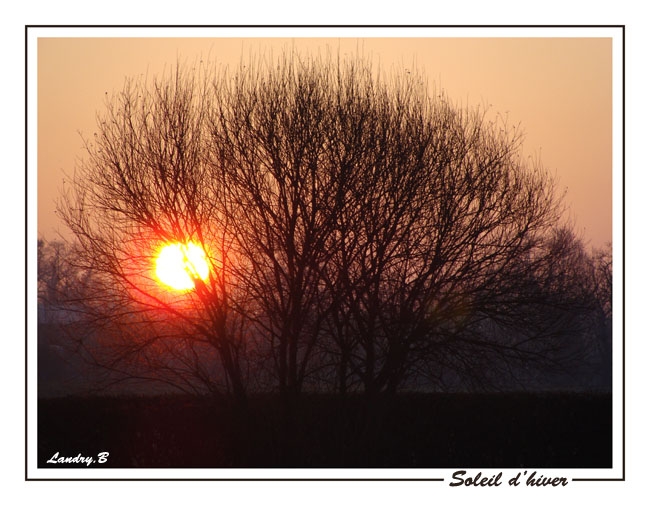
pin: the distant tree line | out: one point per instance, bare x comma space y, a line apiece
364, 235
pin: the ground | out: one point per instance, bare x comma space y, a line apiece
557, 430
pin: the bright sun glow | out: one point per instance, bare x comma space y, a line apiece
178, 265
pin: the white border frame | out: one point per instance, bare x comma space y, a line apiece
616, 33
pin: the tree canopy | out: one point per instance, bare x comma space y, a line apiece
362, 234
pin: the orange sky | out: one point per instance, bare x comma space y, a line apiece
558, 89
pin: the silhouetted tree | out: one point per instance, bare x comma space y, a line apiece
145, 183
443, 223
361, 232
59, 281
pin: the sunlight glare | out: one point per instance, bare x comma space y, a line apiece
179, 265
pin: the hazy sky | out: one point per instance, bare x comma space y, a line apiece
558, 89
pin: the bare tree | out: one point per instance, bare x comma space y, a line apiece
442, 223
361, 232
145, 183
59, 280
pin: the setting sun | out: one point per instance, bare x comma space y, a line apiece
179, 265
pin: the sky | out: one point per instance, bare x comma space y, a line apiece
558, 90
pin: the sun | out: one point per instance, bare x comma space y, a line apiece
178, 265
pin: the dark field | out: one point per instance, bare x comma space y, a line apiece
407, 431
